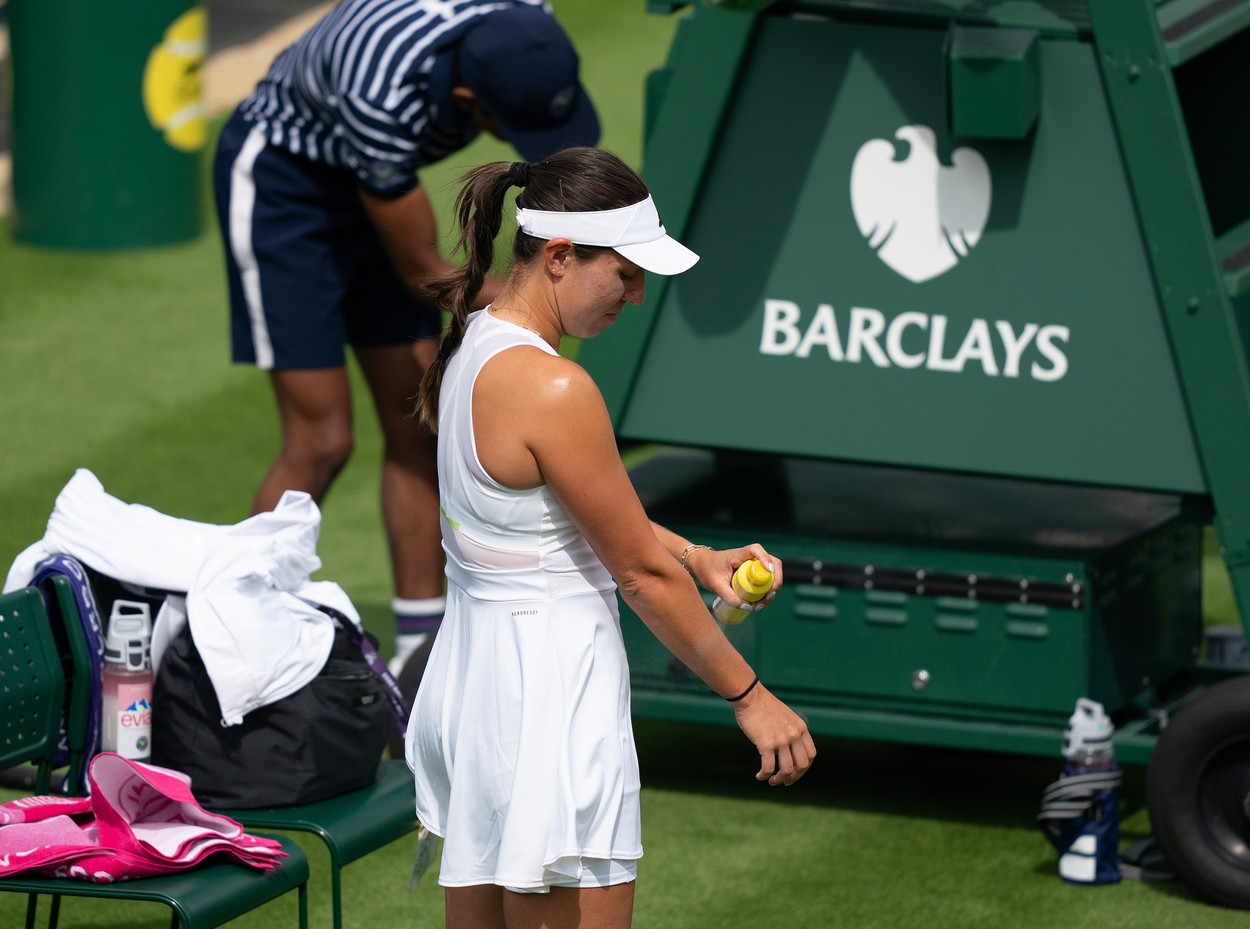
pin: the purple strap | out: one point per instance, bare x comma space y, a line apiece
394, 696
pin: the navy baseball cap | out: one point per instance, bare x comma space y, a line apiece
522, 70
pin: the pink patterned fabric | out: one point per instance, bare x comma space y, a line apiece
140, 821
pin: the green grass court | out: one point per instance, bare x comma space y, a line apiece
119, 363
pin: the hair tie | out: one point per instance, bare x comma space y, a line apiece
518, 173
750, 687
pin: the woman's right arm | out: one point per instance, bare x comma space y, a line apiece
564, 426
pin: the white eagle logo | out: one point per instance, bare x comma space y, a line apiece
919, 215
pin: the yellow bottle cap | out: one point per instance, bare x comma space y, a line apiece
753, 579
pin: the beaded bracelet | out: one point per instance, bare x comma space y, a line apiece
750, 687
687, 552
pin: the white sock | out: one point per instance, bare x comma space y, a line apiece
415, 621
405, 645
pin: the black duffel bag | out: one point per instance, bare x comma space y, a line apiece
324, 740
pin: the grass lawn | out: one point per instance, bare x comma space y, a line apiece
876, 837
118, 362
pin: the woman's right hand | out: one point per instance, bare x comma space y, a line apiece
779, 734
714, 570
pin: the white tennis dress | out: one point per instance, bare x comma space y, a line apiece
520, 736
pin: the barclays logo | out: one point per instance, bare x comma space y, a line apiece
921, 217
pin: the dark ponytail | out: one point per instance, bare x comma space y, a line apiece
479, 213
574, 180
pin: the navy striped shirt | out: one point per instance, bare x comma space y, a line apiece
368, 89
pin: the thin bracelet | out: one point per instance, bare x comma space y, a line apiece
750, 687
687, 552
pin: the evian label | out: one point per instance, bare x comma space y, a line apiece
921, 217
134, 721
996, 348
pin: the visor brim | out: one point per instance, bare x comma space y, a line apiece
664, 256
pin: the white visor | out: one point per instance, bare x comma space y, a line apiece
634, 231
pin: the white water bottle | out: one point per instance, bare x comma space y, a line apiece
127, 682
1087, 741
1091, 772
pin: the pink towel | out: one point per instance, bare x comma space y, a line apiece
140, 821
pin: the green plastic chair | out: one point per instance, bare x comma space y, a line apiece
32, 688
351, 825
71, 645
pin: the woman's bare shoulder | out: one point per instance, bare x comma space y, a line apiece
529, 374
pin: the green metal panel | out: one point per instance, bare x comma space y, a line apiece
1052, 17
1191, 27
980, 657
966, 636
995, 88
1205, 333
684, 118
1147, 631
1133, 743
744, 6
1039, 352
831, 645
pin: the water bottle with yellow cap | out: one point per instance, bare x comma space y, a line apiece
752, 582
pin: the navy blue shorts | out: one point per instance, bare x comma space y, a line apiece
307, 271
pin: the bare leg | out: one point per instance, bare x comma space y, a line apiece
571, 908
409, 471
477, 907
315, 414
486, 906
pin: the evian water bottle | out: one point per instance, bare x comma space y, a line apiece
127, 680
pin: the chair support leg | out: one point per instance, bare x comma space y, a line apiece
336, 896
